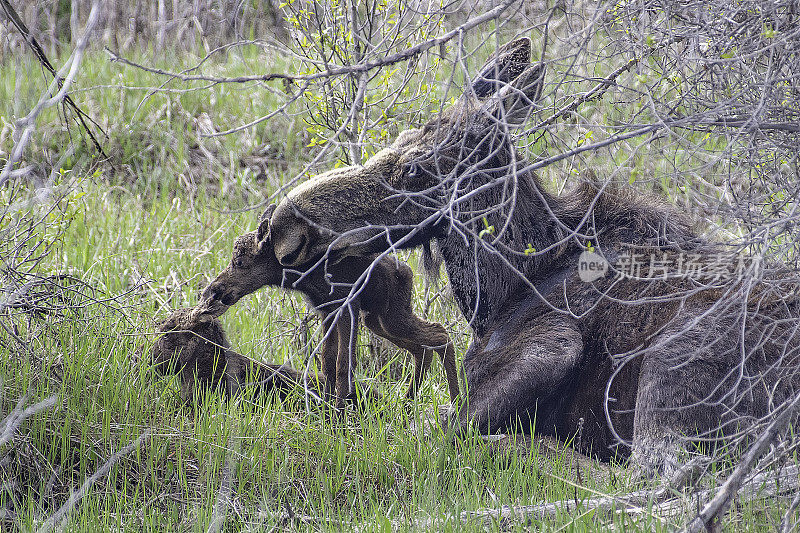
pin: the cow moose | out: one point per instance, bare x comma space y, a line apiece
650, 361
381, 290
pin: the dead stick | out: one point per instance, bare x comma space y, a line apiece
708, 518
65, 509
15, 19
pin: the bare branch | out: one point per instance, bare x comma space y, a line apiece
711, 514
226, 486
28, 123
21, 413
42, 58
333, 71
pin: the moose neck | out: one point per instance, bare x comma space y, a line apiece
491, 263
486, 259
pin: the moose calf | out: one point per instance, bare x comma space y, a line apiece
384, 299
195, 346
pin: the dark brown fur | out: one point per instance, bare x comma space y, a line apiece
680, 359
379, 288
196, 348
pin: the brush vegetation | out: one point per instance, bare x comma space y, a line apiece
157, 227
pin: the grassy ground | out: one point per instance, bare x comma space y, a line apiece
157, 227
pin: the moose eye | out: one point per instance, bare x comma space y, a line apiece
238, 262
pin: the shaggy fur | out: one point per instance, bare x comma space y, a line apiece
196, 348
651, 361
380, 289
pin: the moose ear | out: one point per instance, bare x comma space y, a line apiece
514, 101
263, 224
503, 67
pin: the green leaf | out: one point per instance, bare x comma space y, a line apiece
488, 229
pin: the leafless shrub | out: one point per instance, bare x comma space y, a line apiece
733, 74
696, 102
36, 307
36, 302
125, 24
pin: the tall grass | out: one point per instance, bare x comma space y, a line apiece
160, 225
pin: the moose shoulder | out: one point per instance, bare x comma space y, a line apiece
640, 359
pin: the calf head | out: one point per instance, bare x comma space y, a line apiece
252, 266
426, 179
187, 338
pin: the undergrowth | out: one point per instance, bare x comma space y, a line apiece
158, 222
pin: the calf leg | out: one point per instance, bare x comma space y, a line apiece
347, 328
396, 321
329, 352
450, 370
402, 327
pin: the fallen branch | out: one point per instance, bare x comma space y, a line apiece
634, 500
20, 414
656, 503
764, 486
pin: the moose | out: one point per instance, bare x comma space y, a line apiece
196, 348
380, 289
627, 362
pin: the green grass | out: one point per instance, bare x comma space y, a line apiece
158, 228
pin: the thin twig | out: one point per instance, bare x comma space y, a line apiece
38, 51
709, 517
787, 524
225, 488
28, 123
598, 90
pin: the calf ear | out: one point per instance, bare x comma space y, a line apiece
514, 102
263, 224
